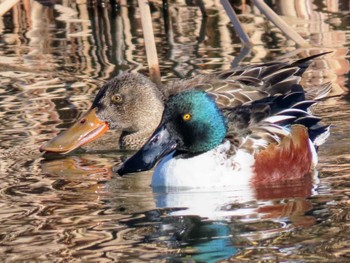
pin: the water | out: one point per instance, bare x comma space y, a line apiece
53, 58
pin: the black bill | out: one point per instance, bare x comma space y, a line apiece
159, 145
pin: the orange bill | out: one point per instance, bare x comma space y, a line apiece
87, 129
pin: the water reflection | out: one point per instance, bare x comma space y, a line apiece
175, 218
54, 57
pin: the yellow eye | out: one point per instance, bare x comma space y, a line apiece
186, 117
117, 98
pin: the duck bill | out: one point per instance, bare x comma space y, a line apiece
159, 145
85, 130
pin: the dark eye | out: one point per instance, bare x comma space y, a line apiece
117, 98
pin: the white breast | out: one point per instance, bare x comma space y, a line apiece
211, 169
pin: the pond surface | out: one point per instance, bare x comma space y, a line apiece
54, 58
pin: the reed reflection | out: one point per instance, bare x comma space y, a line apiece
54, 58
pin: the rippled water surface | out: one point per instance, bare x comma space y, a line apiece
54, 56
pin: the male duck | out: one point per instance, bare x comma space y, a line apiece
264, 141
133, 105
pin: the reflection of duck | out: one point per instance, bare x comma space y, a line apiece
133, 104
220, 228
211, 225
261, 142
211, 242
78, 166
177, 216
219, 203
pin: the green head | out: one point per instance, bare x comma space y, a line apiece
194, 121
191, 123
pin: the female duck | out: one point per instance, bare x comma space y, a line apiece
262, 142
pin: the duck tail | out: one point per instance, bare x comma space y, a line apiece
304, 63
281, 76
293, 109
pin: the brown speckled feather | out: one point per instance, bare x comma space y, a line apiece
238, 86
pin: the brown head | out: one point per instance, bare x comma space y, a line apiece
129, 103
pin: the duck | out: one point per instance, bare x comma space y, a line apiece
133, 105
198, 144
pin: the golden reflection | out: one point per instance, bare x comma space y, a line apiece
79, 167
269, 211
55, 57
99, 168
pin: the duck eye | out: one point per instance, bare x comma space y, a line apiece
117, 98
186, 117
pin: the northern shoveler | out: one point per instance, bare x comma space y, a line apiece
264, 141
133, 105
